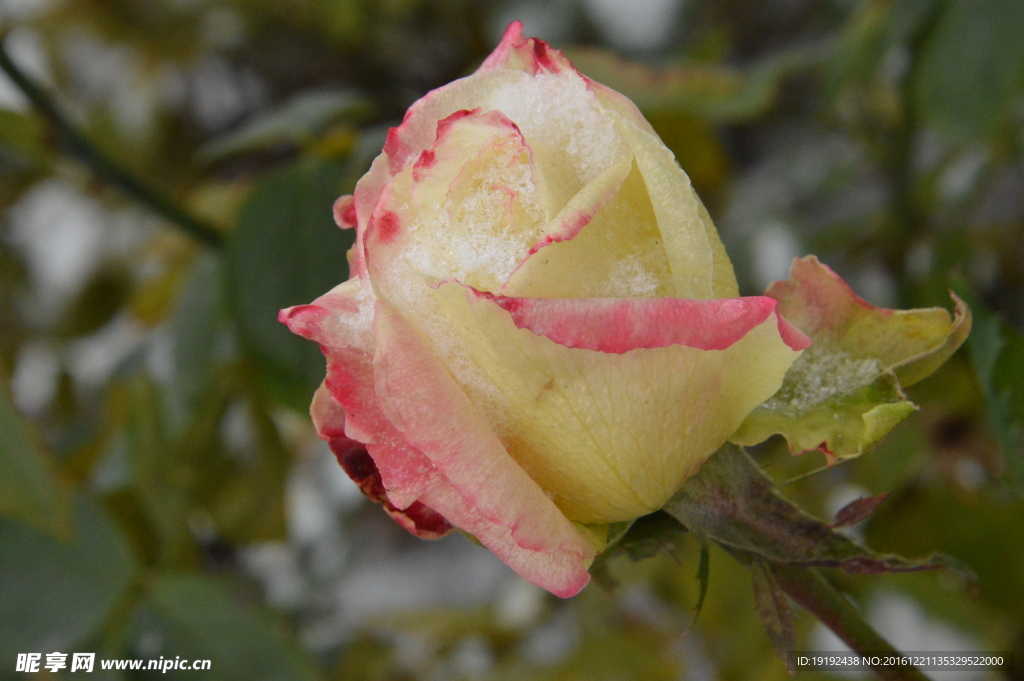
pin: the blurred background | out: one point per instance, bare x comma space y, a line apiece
162, 492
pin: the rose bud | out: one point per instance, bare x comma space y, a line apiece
542, 333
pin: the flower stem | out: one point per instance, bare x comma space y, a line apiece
102, 166
809, 588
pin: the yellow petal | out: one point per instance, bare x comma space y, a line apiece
699, 265
611, 436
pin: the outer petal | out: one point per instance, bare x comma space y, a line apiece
912, 342
340, 322
355, 460
618, 325
845, 393
613, 436
464, 479
529, 55
488, 494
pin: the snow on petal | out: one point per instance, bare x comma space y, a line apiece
530, 55
845, 393
913, 343
699, 265
605, 242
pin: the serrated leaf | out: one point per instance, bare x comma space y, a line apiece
774, 607
734, 503
29, 487
57, 593
198, 618
844, 393
286, 251
858, 510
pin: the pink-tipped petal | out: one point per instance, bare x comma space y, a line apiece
433, 470
355, 460
911, 342
490, 495
338, 322
845, 393
618, 325
478, 165
518, 53
345, 212
612, 428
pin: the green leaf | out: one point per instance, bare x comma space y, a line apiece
645, 538
845, 423
152, 471
774, 608
734, 503
199, 618
703, 576
711, 91
201, 341
297, 121
29, 487
972, 68
286, 251
844, 393
249, 506
997, 353
57, 593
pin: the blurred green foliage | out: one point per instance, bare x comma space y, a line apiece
152, 422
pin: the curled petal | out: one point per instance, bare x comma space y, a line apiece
355, 460
845, 393
518, 53
618, 325
613, 432
487, 493
699, 264
389, 388
345, 212
913, 343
